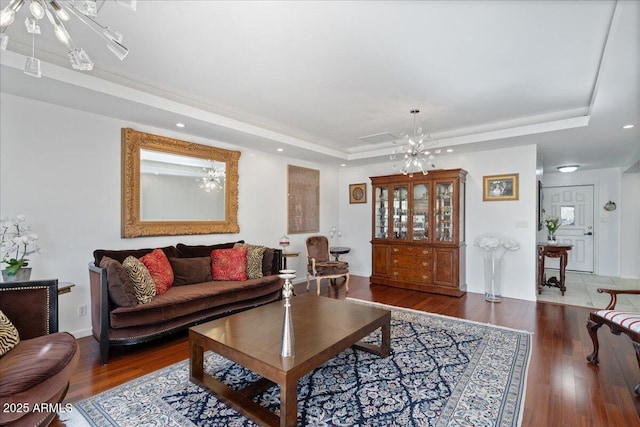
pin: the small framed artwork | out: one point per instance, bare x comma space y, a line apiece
358, 193
500, 187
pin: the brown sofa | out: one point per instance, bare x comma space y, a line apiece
34, 375
182, 305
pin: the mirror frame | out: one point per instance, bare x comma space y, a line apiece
131, 224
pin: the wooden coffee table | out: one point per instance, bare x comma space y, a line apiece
323, 327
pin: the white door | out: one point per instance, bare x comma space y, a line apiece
574, 206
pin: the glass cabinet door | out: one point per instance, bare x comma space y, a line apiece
381, 216
420, 212
400, 212
444, 211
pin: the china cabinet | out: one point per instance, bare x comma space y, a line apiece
418, 237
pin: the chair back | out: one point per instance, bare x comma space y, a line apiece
318, 248
31, 306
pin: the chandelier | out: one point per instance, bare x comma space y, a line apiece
413, 151
211, 180
58, 12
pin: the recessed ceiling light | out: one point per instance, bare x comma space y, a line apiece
449, 150
627, 126
343, 164
280, 149
180, 125
568, 168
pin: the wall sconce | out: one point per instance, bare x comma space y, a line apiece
334, 231
610, 206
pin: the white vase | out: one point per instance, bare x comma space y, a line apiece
492, 277
22, 275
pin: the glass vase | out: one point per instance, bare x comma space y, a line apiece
551, 238
492, 277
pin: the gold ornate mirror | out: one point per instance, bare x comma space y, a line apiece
173, 187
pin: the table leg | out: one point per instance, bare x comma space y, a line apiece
289, 403
196, 361
563, 265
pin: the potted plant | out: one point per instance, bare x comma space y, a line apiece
552, 223
16, 243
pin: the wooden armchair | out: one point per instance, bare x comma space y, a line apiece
618, 322
319, 264
35, 372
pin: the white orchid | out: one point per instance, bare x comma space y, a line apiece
16, 243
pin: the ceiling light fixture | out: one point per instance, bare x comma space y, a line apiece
86, 11
413, 149
628, 127
181, 125
568, 168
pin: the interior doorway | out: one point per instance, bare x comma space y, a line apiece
574, 206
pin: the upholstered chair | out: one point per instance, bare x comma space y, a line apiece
618, 321
319, 264
35, 371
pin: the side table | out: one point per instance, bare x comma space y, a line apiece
286, 255
336, 251
552, 251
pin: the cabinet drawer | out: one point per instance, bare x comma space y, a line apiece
415, 275
410, 251
406, 261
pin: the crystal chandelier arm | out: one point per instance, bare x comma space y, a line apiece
59, 29
8, 14
112, 36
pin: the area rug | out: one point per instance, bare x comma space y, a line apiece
442, 371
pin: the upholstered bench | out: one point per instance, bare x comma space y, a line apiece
619, 322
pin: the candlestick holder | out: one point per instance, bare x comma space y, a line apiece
288, 341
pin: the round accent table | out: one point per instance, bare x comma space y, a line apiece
336, 251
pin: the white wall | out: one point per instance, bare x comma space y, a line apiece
61, 168
516, 219
606, 227
630, 225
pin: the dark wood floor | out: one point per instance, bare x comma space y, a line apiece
563, 389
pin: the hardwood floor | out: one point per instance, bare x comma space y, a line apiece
563, 389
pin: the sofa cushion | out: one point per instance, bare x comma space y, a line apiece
180, 301
121, 254
9, 336
229, 264
160, 270
53, 353
267, 262
143, 284
119, 284
255, 254
191, 270
190, 251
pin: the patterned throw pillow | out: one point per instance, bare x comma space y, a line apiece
229, 264
142, 282
9, 336
160, 270
254, 259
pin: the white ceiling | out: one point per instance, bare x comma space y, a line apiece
312, 77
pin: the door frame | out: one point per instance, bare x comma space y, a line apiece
596, 219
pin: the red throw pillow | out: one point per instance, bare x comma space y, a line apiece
160, 270
229, 264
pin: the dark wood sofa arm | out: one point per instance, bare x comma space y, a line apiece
613, 293
32, 307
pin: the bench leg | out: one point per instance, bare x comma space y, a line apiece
593, 327
636, 347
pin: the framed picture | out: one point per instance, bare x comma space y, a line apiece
304, 200
358, 193
500, 187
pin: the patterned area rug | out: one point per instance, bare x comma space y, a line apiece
442, 372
